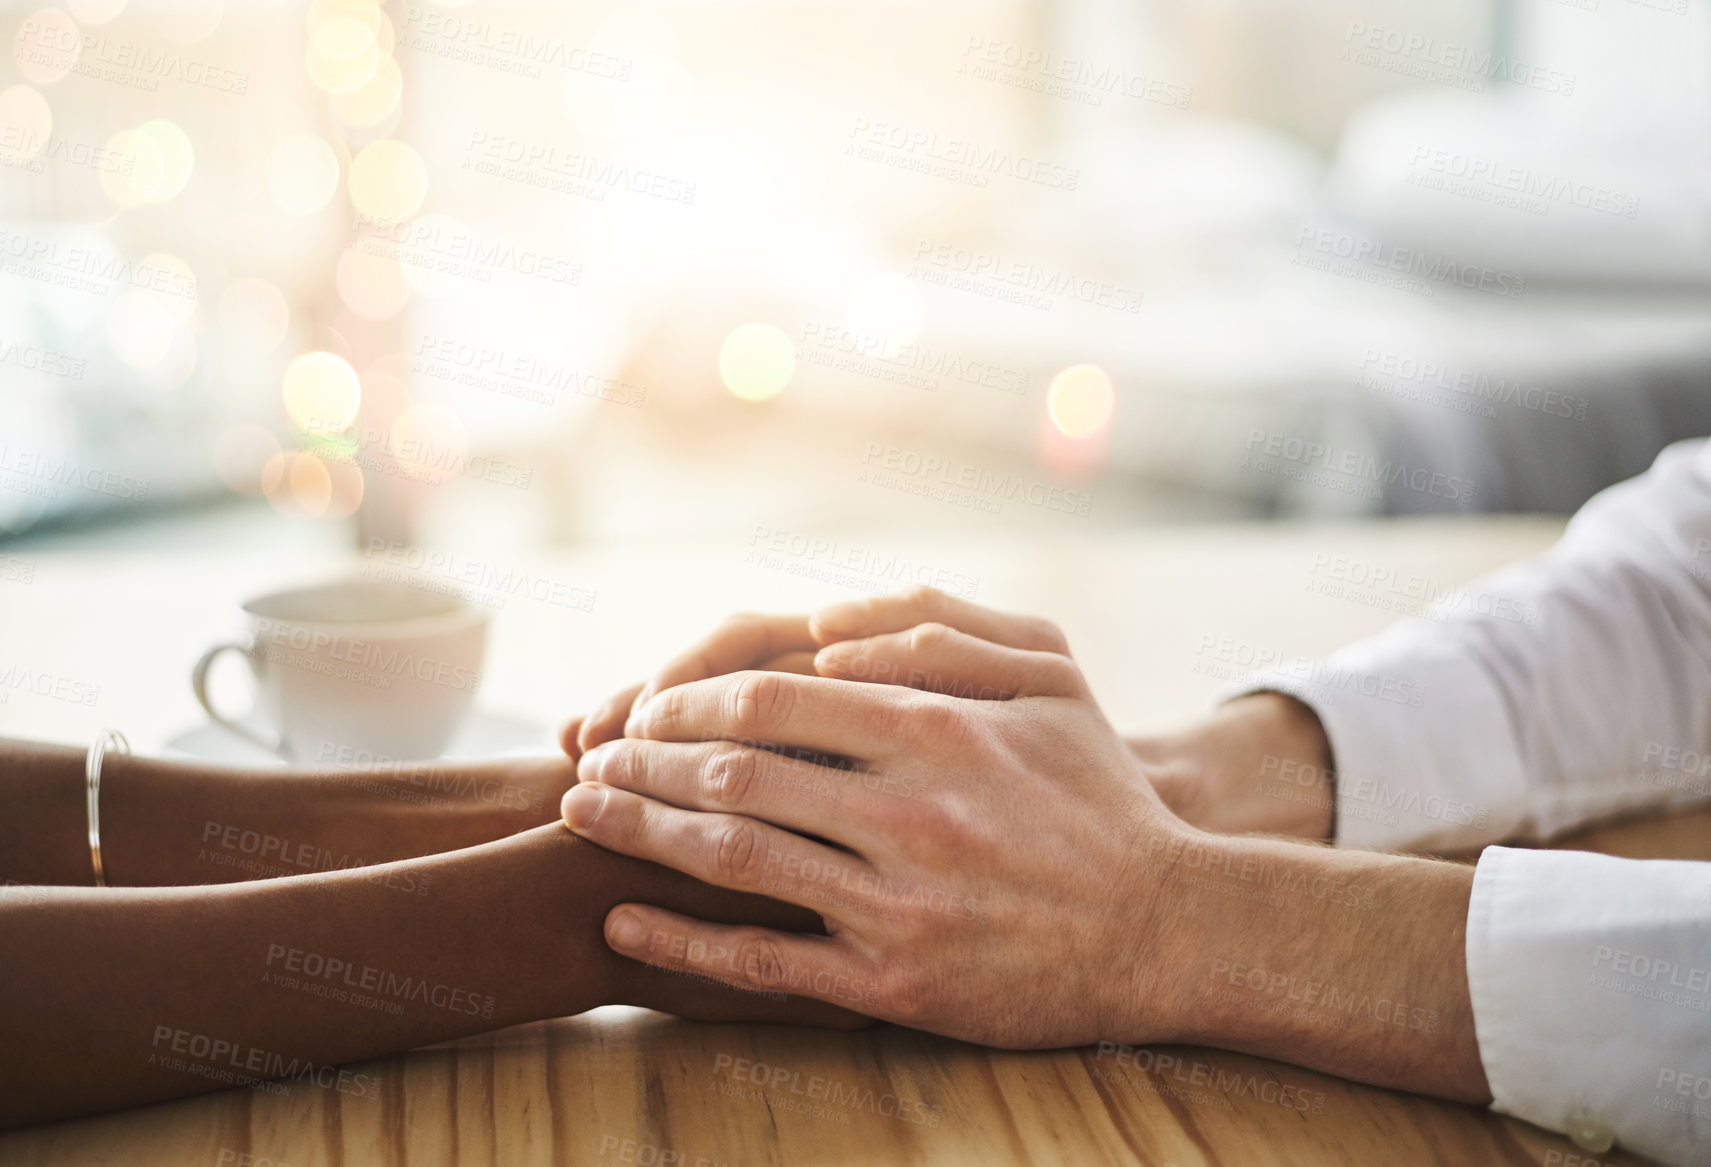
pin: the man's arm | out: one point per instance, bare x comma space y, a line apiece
1568, 688
1001, 871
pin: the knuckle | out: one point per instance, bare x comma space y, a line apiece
737, 856
945, 722
923, 598
904, 993
928, 637
761, 961
731, 775
1062, 673
1046, 636
760, 702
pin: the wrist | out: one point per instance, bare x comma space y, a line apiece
1345, 961
1260, 763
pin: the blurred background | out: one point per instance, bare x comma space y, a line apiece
496, 276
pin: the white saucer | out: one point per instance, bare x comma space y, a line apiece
485, 735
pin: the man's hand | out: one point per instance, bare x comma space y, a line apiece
999, 871
781, 643
1259, 764
991, 870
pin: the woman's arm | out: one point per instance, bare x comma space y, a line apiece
166, 823
120, 996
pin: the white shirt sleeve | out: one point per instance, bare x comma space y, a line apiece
1591, 986
1557, 691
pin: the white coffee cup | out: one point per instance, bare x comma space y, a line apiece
358, 668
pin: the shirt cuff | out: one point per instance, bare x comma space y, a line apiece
1420, 743
1590, 979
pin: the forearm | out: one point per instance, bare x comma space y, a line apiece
1349, 962
166, 823
117, 997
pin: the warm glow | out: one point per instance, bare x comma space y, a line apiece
374, 101
388, 181
756, 361
1080, 400
47, 46
147, 169
887, 308
95, 11
342, 55
177, 157
430, 441
321, 392
26, 123
372, 286
302, 174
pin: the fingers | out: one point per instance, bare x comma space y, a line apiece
606, 722
736, 779
567, 736
757, 959
867, 723
741, 642
940, 659
725, 850
876, 615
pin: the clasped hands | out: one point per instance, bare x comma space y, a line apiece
990, 859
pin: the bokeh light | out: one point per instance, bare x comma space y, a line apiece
374, 101
321, 392
1080, 400
298, 484
147, 170
254, 314
342, 55
177, 157
47, 45
388, 181
756, 361
344, 480
302, 174
887, 307
26, 124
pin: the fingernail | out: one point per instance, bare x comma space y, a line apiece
626, 930
583, 804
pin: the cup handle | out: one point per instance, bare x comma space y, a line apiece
199, 682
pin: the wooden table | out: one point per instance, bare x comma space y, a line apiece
1150, 614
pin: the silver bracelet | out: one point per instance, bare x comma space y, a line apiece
105, 740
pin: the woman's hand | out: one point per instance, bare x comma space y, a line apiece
990, 870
